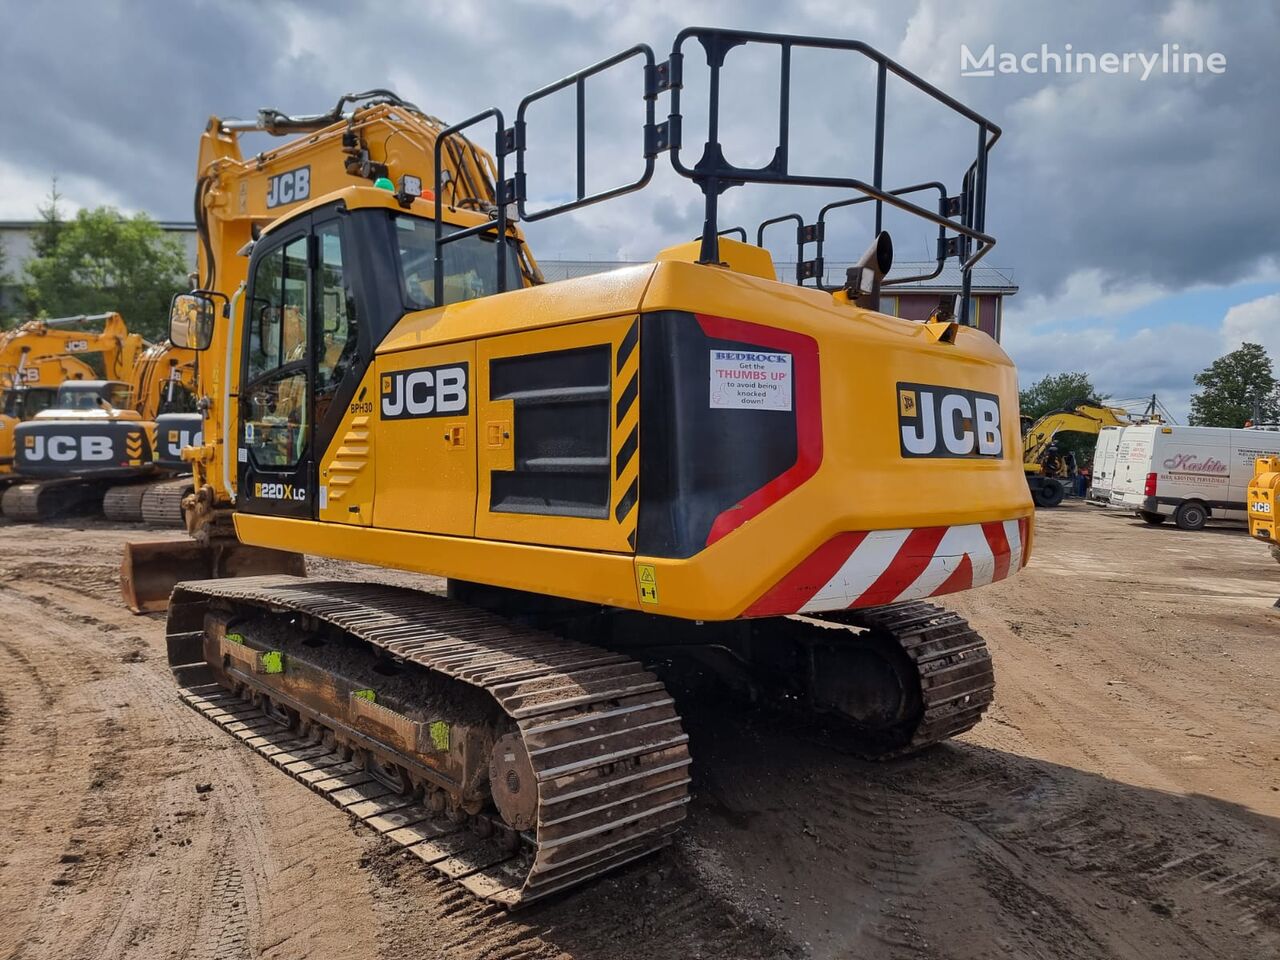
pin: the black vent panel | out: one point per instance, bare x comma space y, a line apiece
561, 404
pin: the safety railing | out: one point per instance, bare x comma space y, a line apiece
960, 217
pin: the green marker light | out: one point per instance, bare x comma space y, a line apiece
384, 183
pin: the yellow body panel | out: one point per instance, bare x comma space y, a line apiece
596, 577
1264, 500
737, 256
549, 305
426, 474
861, 483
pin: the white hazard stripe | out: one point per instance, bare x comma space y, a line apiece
868, 561
1013, 533
956, 544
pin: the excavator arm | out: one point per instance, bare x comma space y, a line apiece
1046, 490
366, 138
1082, 418
22, 347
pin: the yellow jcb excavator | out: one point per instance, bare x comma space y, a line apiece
97, 443
687, 459
1046, 469
38, 355
1264, 503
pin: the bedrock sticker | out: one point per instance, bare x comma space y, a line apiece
750, 380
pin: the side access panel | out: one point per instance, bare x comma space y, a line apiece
425, 436
558, 413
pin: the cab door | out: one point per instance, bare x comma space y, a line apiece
557, 441
276, 467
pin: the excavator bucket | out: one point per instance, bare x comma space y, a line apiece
150, 570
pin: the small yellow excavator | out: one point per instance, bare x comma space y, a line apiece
686, 460
1046, 470
38, 355
97, 443
1263, 498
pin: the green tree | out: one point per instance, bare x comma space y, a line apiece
1059, 391
1231, 385
45, 239
104, 261
5, 313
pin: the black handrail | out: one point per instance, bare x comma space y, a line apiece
964, 214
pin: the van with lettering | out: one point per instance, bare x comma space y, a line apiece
1103, 475
1192, 474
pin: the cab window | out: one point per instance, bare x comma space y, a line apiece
336, 318
276, 396
470, 265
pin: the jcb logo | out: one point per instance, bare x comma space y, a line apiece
29, 374
175, 440
62, 449
425, 392
77, 346
291, 186
279, 491
947, 422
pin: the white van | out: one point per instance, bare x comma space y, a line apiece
1104, 464
1189, 473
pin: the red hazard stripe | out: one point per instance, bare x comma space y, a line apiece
961, 578
798, 587
999, 544
912, 558
808, 414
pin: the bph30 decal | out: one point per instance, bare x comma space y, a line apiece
948, 422
439, 391
291, 186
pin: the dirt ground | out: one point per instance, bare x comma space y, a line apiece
1121, 799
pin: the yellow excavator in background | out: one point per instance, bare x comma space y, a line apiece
1263, 498
1046, 470
683, 461
38, 355
97, 443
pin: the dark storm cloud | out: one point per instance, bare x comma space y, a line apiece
1163, 182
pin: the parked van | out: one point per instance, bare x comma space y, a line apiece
1104, 464
1192, 474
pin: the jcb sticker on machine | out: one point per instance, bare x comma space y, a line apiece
750, 380
439, 391
647, 581
948, 422
64, 449
292, 186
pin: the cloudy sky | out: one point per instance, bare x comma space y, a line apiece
1139, 216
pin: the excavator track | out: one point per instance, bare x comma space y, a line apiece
953, 664
596, 733
123, 503
33, 502
162, 502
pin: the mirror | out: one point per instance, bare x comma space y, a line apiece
191, 318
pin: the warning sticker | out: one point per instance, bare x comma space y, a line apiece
647, 578
749, 380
